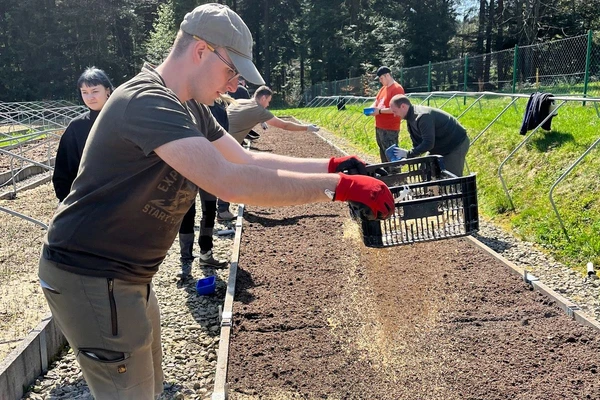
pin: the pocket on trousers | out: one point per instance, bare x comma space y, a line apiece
113, 307
105, 356
47, 287
107, 369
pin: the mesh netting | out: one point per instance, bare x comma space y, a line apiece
559, 67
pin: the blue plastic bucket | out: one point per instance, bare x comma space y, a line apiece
368, 111
206, 286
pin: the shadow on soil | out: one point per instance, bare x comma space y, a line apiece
244, 282
265, 221
260, 150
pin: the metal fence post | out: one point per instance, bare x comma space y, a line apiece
401, 75
588, 56
429, 80
514, 83
466, 74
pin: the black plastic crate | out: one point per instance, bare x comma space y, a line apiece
431, 204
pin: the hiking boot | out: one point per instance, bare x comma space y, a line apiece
186, 242
186, 269
226, 215
207, 259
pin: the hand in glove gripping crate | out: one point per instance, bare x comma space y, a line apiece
430, 204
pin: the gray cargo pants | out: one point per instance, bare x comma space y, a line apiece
113, 327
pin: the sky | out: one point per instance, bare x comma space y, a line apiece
462, 7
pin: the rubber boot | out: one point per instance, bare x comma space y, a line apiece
186, 242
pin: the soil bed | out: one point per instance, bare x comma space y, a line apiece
33, 151
319, 315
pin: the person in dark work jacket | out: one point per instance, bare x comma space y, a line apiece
241, 92
95, 88
209, 210
434, 131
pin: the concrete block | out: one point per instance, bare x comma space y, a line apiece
28, 360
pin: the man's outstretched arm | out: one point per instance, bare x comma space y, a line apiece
292, 126
199, 161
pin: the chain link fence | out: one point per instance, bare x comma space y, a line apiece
566, 66
345, 87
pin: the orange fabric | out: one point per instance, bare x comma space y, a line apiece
385, 94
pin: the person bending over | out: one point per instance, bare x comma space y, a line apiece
435, 131
242, 93
245, 114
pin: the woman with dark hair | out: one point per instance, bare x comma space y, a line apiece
95, 88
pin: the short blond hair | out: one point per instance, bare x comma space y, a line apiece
182, 42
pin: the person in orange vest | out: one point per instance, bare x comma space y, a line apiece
387, 125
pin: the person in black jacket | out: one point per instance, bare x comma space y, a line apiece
432, 130
95, 88
241, 92
207, 222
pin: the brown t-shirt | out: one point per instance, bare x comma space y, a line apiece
244, 115
126, 204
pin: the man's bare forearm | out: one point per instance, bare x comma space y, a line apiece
235, 153
267, 179
268, 187
276, 161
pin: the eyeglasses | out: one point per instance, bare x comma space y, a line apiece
233, 72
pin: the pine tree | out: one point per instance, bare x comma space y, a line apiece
163, 34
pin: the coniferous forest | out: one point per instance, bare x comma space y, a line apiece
46, 44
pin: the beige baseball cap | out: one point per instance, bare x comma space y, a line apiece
222, 27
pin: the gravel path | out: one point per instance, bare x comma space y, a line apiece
190, 323
582, 290
190, 333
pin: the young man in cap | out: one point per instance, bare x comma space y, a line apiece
434, 131
145, 158
387, 125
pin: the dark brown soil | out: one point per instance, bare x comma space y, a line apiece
320, 316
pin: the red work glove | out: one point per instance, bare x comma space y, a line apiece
371, 192
352, 164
